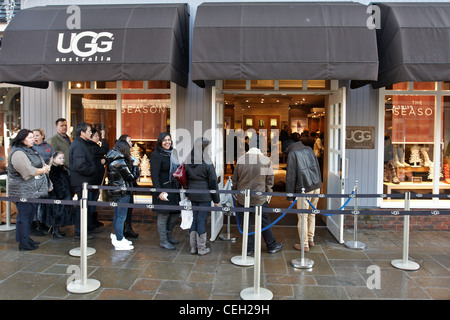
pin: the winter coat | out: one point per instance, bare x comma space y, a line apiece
202, 176
159, 169
82, 163
120, 173
253, 171
59, 143
45, 150
99, 154
57, 214
303, 170
29, 186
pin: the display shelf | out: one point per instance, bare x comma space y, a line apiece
407, 186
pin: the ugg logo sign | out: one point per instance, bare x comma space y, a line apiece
360, 137
84, 44
95, 45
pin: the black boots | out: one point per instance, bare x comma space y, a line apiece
128, 231
56, 233
30, 245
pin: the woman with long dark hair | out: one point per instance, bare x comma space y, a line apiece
163, 163
120, 174
27, 174
201, 175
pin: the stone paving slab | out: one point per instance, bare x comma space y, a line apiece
151, 273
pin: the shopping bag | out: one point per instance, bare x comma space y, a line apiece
186, 214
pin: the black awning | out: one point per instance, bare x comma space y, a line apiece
115, 42
321, 40
413, 43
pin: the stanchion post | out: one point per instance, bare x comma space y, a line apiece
256, 292
244, 260
355, 244
302, 263
8, 226
76, 252
83, 285
227, 236
404, 263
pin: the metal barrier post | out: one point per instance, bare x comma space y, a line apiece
83, 285
227, 236
404, 263
8, 226
302, 263
76, 252
256, 292
244, 260
355, 244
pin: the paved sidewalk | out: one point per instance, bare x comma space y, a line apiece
151, 273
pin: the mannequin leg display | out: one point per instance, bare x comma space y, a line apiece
393, 173
426, 158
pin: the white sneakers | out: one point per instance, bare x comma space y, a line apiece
123, 244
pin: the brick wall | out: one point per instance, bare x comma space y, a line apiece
383, 222
429, 223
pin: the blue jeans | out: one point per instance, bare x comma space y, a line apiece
120, 214
199, 217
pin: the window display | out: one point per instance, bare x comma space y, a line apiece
142, 107
411, 139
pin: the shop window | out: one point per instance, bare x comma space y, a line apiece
10, 118
262, 84
132, 84
96, 109
290, 84
410, 140
105, 84
79, 84
158, 84
144, 117
443, 187
446, 85
401, 86
318, 84
425, 86
234, 84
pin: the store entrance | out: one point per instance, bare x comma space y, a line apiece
278, 120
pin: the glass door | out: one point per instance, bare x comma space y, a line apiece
337, 163
217, 148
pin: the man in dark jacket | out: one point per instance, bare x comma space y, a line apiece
254, 171
303, 171
82, 169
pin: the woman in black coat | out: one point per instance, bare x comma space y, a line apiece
163, 163
99, 152
59, 215
201, 175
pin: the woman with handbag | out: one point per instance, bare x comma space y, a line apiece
163, 163
27, 174
201, 174
120, 175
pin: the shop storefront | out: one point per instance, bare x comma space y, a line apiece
144, 68
82, 53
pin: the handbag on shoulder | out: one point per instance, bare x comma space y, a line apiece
181, 176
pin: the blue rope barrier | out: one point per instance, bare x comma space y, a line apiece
341, 208
266, 227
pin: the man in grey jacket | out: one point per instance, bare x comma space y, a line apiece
303, 171
254, 171
61, 141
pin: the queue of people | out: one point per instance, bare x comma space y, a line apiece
38, 169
